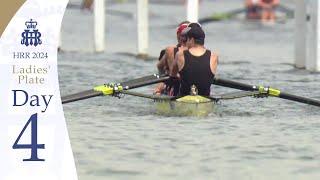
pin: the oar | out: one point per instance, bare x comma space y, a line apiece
230, 14
265, 90
289, 12
154, 97
234, 95
221, 16
113, 88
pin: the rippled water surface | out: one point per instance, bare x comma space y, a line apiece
242, 139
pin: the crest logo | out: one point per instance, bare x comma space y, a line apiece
31, 35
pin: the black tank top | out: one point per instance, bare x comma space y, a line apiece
163, 51
196, 71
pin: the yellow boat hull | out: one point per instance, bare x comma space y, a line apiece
186, 106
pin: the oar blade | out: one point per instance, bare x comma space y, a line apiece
221, 16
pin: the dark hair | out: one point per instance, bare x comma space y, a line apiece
197, 33
194, 25
199, 41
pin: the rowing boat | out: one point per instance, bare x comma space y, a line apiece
190, 105
185, 106
239, 14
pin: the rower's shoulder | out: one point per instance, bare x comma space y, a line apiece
214, 58
214, 54
170, 48
182, 48
180, 51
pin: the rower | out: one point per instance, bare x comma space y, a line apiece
87, 4
261, 9
197, 65
268, 10
253, 9
166, 60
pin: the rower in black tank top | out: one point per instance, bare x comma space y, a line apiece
196, 71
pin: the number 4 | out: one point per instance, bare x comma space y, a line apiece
34, 146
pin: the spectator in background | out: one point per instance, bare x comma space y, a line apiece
253, 9
86, 4
261, 9
268, 10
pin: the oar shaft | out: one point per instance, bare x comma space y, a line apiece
80, 96
154, 97
108, 89
234, 84
139, 79
299, 99
145, 83
269, 91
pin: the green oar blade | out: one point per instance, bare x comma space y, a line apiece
265, 90
289, 12
221, 16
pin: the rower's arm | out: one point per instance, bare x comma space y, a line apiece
162, 63
178, 64
276, 2
214, 62
248, 3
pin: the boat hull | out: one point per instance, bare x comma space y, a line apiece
186, 106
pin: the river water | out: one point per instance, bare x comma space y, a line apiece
245, 138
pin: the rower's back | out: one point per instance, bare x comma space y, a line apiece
197, 65
196, 71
